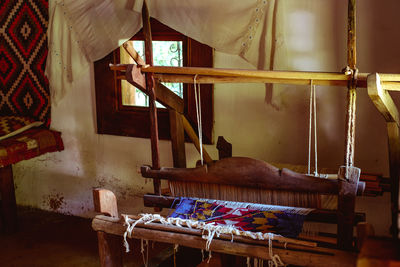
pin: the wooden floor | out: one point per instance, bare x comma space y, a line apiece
50, 239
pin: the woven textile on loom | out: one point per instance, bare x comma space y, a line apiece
285, 221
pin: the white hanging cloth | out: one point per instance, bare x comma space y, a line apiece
91, 29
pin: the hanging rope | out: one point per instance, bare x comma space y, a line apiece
313, 113
309, 130
351, 117
197, 97
315, 132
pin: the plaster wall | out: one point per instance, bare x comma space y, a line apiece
312, 37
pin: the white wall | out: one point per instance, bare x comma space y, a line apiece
314, 38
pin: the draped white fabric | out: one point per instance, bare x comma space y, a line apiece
90, 29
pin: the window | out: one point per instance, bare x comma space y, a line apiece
122, 109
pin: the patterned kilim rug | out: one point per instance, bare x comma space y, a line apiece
24, 89
285, 221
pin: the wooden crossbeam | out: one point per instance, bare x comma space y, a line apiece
382, 99
389, 82
248, 172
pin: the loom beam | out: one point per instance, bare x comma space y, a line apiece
248, 172
390, 82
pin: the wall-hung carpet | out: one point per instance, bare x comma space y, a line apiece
24, 89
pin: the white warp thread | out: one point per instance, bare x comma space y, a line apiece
257, 206
209, 231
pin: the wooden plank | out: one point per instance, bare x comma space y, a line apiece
348, 182
242, 73
330, 257
394, 161
216, 75
135, 77
110, 249
177, 139
224, 148
105, 202
246, 172
128, 46
346, 216
294, 243
8, 214
352, 85
351, 35
168, 98
163, 94
390, 86
195, 139
150, 84
209, 79
382, 99
392, 77
325, 216
245, 73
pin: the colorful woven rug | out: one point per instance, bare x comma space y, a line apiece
24, 89
13, 125
29, 144
286, 222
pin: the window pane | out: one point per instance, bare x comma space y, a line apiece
165, 53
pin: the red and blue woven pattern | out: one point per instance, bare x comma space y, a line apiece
24, 89
245, 219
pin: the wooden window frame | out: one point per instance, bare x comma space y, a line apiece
116, 119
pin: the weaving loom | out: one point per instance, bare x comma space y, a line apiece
200, 196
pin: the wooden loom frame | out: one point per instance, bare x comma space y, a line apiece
110, 227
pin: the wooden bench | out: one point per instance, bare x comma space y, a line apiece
29, 144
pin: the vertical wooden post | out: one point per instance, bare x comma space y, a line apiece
346, 205
155, 155
8, 207
110, 246
394, 161
351, 34
110, 251
224, 148
177, 139
351, 93
347, 188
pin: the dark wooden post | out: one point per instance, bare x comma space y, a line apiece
351, 93
224, 148
155, 155
177, 139
8, 202
346, 204
347, 187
